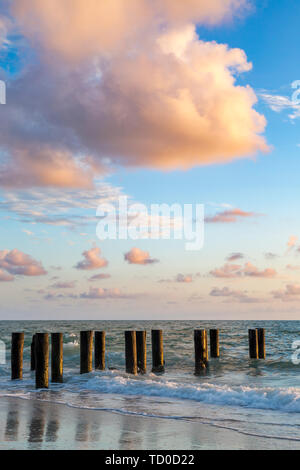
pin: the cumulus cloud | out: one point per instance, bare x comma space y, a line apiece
93, 260
17, 263
230, 216
237, 271
289, 294
138, 256
119, 88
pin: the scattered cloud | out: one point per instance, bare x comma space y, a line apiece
187, 279
230, 216
236, 295
292, 242
93, 260
289, 294
270, 256
237, 271
177, 105
17, 263
279, 103
235, 257
138, 256
58, 207
291, 267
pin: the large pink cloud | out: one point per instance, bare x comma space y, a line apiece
111, 86
17, 263
5, 277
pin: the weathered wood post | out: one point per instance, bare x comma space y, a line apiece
17, 346
32, 353
253, 344
261, 335
158, 363
41, 360
201, 352
86, 352
214, 343
100, 350
130, 352
57, 357
141, 348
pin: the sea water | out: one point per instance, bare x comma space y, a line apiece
251, 397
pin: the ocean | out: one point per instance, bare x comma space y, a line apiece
259, 398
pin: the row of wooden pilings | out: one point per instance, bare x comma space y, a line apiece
135, 352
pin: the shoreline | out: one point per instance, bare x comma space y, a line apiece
37, 424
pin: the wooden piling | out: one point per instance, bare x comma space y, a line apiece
100, 350
261, 343
86, 352
158, 363
41, 360
214, 343
32, 354
130, 352
253, 344
17, 346
201, 352
57, 357
141, 348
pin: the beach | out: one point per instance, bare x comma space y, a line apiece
38, 425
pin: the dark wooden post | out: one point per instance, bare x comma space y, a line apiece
86, 352
158, 363
100, 350
32, 354
17, 346
141, 348
261, 343
57, 357
201, 353
130, 352
253, 344
41, 360
214, 343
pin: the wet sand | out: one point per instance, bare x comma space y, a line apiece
32, 424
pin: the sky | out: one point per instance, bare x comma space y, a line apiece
155, 102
